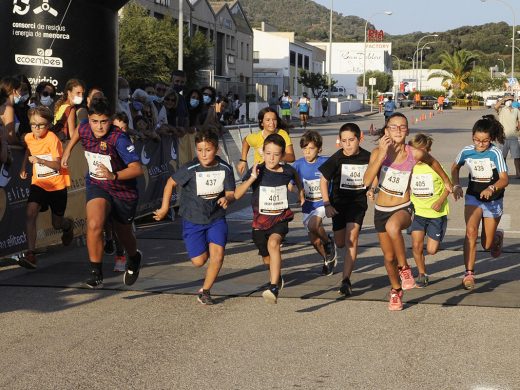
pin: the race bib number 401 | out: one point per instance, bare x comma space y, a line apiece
394, 182
422, 185
272, 200
210, 184
94, 161
43, 171
352, 176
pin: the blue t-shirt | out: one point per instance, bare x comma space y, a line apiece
484, 168
390, 106
310, 177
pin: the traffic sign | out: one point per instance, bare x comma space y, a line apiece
372, 81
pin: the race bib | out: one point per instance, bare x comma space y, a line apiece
481, 169
312, 191
394, 182
422, 185
43, 171
352, 176
272, 200
94, 160
210, 184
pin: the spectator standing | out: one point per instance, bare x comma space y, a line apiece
123, 100
324, 105
65, 120
273, 101
509, 118
389, 107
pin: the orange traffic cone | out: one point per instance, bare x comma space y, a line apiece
431, 114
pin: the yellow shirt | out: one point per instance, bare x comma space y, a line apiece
256, 141
426, 188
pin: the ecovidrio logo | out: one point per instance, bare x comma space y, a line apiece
43, 58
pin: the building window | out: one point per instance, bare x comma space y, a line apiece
300, 60
231, 59
241, 50
256, 57
165, 3
306, 62
292, 58
247, 51
233, 47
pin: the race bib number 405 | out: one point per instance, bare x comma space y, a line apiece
394, 182
43, 171
94, 161
481, 169
210, 184
272, 200
312, 190
352, 176
422, 185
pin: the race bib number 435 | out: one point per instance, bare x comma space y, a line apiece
210, 184
481, 169
272, 200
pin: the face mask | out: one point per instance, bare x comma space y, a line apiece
206, 99
151, 98
17, 99
124, 93
24, 98
138, 106
32, 105
46, 100
194, 102
508, 103
77, 100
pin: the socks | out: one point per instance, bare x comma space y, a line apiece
96, 267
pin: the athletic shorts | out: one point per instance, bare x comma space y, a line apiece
511, 145
197, 237
492, 209
260, 237
318, 212
285, 112
123, 211
56, 200
435, 228
349, 214
382, 215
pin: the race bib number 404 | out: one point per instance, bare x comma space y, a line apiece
481, 169
210, 184
394, 182
43, 171
422, 185
312, 190
272, 200
352, 176
94, 161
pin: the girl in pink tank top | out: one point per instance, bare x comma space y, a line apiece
391, 165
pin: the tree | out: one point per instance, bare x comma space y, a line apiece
384, 81
316, 82
456, 69
148, 48
481, 80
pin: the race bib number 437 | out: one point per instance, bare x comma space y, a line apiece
272, 200
210, 184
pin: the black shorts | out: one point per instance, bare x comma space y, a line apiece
381, 217
123, 211
260, 237
348, 214
57, 200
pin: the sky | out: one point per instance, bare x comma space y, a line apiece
427, 15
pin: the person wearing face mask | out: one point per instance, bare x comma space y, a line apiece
65, 109
208, 114
45, 95
9, 96
142, 105
509, 118
194, 110
123, 97
178, 83
22, 107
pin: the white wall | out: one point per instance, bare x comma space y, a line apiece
273, 51
410, 74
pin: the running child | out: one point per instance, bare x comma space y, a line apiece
304, 107
392, 163
48, 183
111, 186
271, 212
429, 197
346, 199
313, 209
208, 186
484, 200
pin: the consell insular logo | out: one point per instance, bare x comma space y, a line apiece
43, 58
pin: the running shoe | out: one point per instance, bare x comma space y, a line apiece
396, 300
346, 288
407, 280
68, 234
27, 260
496, 249
133, 266
95, 281
120, 263
422, 281
109, 247
330, 250
271, 295
469, 280
205, 298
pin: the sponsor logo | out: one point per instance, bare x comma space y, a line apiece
173, 152
22, 7
144, 157
45, 7
43, 58
130, 148
4, 176
103, 145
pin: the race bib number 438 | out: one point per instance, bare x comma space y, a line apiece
394, 182
272, 200
210, 184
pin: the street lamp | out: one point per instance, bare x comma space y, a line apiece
417, 53
398, 76
365, 49
422, 48
516, 47
330, 60
514, 34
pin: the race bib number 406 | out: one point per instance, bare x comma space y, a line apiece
272, 200
394, 182
94, 161
210, 184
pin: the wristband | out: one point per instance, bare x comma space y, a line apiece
242, 160
115, 176
492, 188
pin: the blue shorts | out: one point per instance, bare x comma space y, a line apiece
493, 209
435, 228
197, 237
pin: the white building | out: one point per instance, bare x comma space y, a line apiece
409, 80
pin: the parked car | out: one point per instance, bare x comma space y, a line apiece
403, 100
426, 102
491, 101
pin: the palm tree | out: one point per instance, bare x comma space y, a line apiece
455, 69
